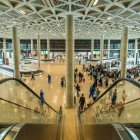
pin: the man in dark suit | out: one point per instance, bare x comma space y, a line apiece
82, 101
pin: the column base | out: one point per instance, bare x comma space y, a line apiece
69, 107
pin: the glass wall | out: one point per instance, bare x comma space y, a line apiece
105, 52
115, 44
80, 45
131, 44
1, 52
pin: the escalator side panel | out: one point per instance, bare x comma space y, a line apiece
135, 128
38, 132
100, 132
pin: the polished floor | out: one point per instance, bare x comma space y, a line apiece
55, 95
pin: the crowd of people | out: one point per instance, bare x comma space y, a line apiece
101, 78
133, 72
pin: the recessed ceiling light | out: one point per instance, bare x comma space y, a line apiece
14, 22
22, 12
109, 18
2, 27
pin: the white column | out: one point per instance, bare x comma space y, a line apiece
16, 51
136, 52
32, 47
101, 48
4, 49
39, 51
124, 52
48, 48
108, 48
70, 61
121, 51
92, 47
19, 51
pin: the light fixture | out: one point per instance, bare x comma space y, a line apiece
14, 22
95, 2
2, 27
109, 18
22, 12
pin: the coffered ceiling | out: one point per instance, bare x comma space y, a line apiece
92, 18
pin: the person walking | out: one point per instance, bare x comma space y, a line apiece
49, 79
62, 82
124, 96
76, 70
110, 93
42, 97
114, 97
82, 102
80, 77
92, 91
77, 89
97, 94
100, 81
75, 77
121, 109
106, 81
84, 67
32, 76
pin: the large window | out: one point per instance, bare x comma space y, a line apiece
97, 44
57, 44
131, 44
115, 44
115, 53
139, 44
105, 44
82, 44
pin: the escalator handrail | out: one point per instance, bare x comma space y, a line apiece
20, 105
126, 129
23, 84
7, 131
106, 111
127, 103
114, 84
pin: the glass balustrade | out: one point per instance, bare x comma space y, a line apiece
121, 114
102, 111
19, 104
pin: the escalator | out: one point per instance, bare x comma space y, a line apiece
23, 117
104, 121
134, 130
5, 129
30, 131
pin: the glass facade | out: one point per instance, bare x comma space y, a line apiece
80, 46
115, 44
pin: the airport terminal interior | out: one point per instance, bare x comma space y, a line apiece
69, 69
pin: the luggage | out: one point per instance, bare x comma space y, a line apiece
83, 79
